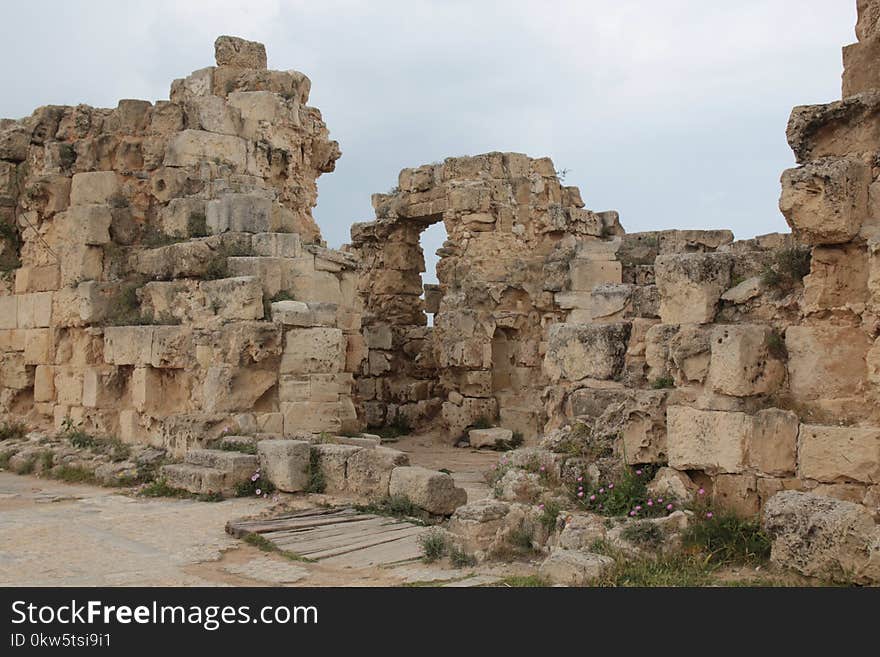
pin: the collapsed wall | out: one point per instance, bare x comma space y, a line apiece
509, 223
163, 276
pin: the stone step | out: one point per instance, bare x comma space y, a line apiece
195, 478
236, 465
235, 443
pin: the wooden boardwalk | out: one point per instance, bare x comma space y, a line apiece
339, 536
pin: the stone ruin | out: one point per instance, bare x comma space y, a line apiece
167, 284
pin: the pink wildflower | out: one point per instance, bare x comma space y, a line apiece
639, 472
709, 515
601, 490
592, 498
702, 491
669, 507
581, 494
632, 513
650, 502
638, 507
580, 479
610, 486
259, 492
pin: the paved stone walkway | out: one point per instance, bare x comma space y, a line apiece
58, 534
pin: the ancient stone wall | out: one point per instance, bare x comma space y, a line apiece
163, 276
511, 228
747, 367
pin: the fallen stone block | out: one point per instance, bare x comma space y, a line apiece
433, 491
489, 437
574, 567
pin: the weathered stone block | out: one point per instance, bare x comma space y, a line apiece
285, 463
90, 224
433, 491
741, 363
234, 51
310, 417
826, 361
826, 201
189, 148
369, 470
832, 454
772, 443
241, 213
579, 351
737, 494
691, 285
575, 567
240, 297
93, 187
34, 310
714, 441
313, 350
822, 537
489, 437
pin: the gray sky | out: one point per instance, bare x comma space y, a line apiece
672, 112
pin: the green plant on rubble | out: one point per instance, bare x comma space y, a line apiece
13, 430
662, 382
433, 545
788, 268
317, 483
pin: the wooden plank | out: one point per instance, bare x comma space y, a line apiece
343, 529
368, 543
305, 543
263, 526
386, 554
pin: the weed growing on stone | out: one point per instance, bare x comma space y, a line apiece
662, 382
256, 486
262, 543
13, 430
396, 506
628, 496
727, 539
643, 533
461, 559
160, 488
317, 483
73, 474
788, 269
524, 581
433, 545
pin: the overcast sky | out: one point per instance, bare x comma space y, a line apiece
672, 112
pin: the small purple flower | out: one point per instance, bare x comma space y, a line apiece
254, 477
659, 500
581, 494
542, 468
638, 507
259, 492
540, 507
601, 490
702, 491
650, 502
669, 507
639, 472
709, 515
632, 513
610, 486
580, 479
592, 498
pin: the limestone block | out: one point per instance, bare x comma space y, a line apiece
128, 345
14, 373
80, 263
285, 463
34, 310
476, 524
333, 462
672, 484
369, 470
832, 454
859, 66
458, 417
587, 273
177, 217
8, 312
310, 417
145, 388
190, 148
95, 187
171, 347
68, 386
240, 297
690, 285
737, 494
355, 352
38, 346
234, 51
826, 201
578, 351
433, 491
228, 388
575, 567
822, 537
243, 213
313, 350
741, 363
714, 441
772, 443
42, 278
838, 277
44, 383
378, 336
489, 437
212, 114
102, 387
277, 245
268, 270
826, 361
89, 224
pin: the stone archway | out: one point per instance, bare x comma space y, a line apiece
508, 221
